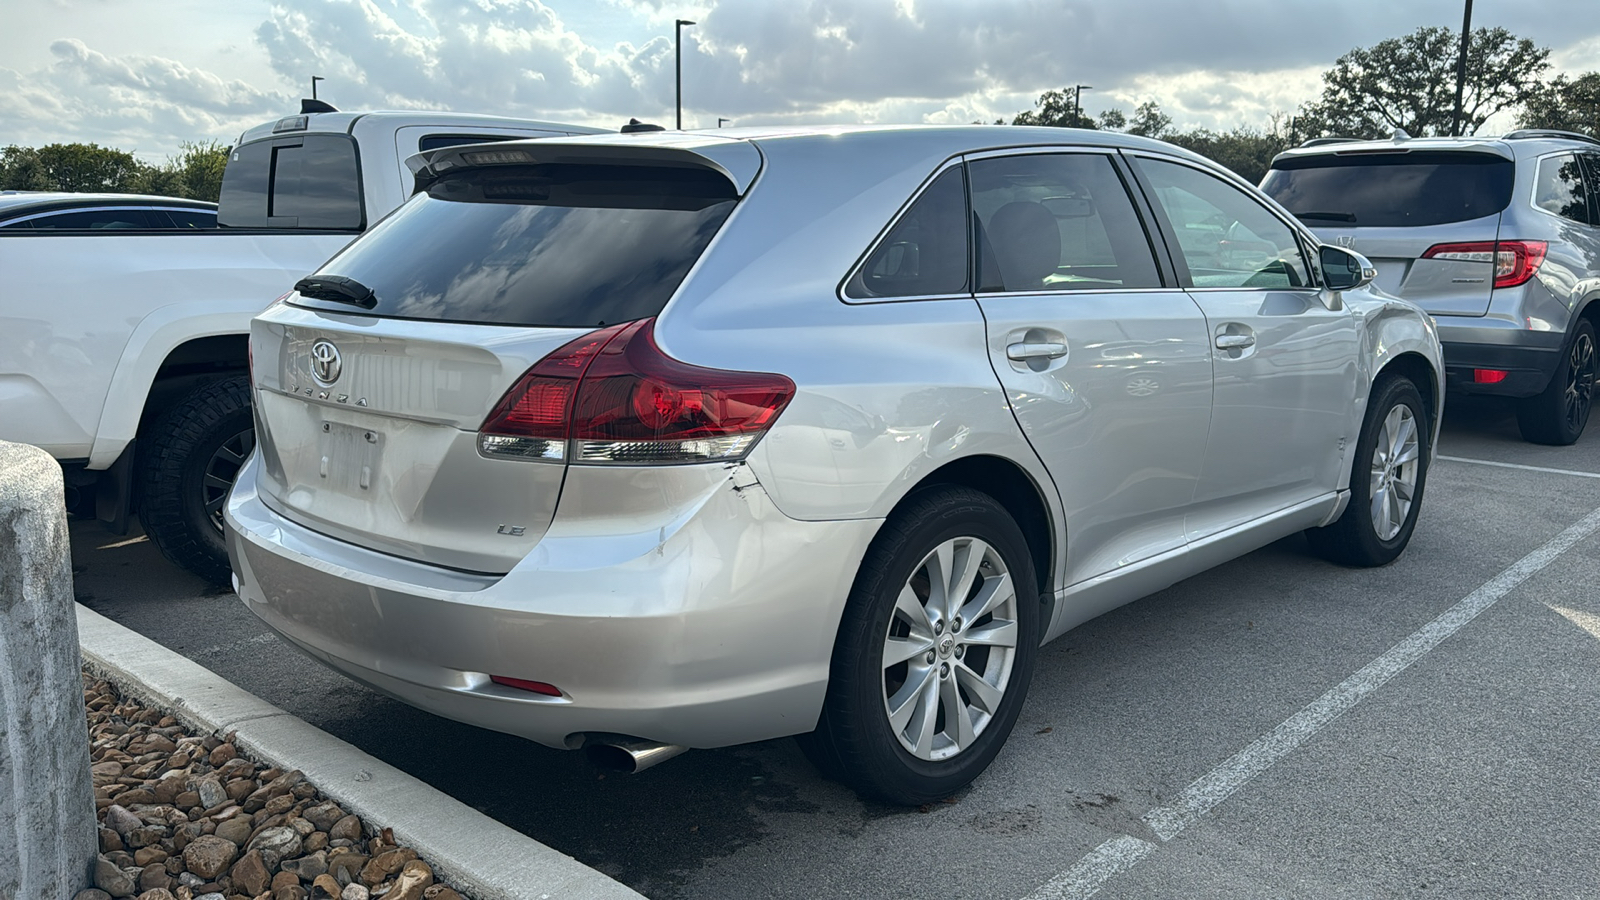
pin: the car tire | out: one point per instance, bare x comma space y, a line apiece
1557, 415
188, 462
1387, 479
920, 753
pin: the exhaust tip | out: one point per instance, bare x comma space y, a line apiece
629, 757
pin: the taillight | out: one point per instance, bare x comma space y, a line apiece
523, 684
1489, 376
1514, 261
614, 397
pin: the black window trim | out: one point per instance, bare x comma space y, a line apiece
1169, 235
298, 139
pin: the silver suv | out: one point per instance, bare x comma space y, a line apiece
1498, 238
645, 442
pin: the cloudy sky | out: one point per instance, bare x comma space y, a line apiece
145, 75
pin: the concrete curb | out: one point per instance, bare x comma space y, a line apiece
477, 855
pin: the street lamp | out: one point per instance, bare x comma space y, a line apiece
1461, 70
1077, 102
314, 80
678, 48
720, 120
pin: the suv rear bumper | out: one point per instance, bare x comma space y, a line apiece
1529, 358
716, 628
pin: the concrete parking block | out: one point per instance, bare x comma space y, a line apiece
476, 854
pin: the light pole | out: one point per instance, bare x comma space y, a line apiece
678, 49
1077, 102
720, 120
314, 80
1461, 69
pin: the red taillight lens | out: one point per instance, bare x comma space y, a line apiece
1489, 376
537, 687
620, 399
532, 420
1514, 261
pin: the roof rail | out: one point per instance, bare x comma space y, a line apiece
1523, 134
1318, 142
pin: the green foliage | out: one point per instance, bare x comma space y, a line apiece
1150, 121
1410, 83
195, 172
1247, 151
1568, 104
1056, 109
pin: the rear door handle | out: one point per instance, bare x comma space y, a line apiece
1235, 341
1024, 350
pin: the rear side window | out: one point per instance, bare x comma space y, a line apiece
1560, 188
1415, 188
310, 181
1057, 222
925, 253
552, 245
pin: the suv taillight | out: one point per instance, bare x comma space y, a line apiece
612, 396
1514, 261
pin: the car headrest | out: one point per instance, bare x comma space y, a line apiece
1026, 241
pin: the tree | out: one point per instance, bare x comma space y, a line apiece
1247, 151
195, 172
1150, 121
1409, 83
1112, 119
1566, 104
1055, 108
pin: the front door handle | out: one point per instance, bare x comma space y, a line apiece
1235, 341
1025, 350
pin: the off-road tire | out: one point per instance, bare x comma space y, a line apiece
1353, 539
853, 742
174, 455
1558, 414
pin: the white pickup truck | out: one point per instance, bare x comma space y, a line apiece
123, 352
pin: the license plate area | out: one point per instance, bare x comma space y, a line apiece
350, 457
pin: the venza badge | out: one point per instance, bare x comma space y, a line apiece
325, 363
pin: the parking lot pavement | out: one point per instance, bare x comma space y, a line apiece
1469, 773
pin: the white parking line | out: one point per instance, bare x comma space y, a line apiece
1506, 465
1122, 852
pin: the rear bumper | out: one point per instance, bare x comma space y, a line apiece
713, 628
1529, 357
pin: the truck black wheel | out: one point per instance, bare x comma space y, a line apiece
188, 462
1558, 414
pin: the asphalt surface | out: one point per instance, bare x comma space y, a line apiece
1474, 772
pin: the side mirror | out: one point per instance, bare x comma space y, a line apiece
1344, 270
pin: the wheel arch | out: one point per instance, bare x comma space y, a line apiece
1018, 492
1415, 368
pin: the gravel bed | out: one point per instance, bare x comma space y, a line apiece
185, 817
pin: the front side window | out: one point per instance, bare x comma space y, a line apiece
1226, 237
1057, 222
1560, 188
311, 181
925, 253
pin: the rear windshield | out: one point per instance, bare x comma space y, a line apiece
1390, 189
309, 181
551, 245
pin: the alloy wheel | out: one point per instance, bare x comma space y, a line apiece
949, 649
1580, 382
222, 470
1396, 460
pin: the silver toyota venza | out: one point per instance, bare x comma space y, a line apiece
651, 441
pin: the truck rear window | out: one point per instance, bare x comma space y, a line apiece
1391, 189
307, 181
551, 245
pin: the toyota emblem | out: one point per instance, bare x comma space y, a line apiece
325, 363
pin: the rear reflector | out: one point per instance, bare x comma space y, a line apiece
537, 687
1489, 376
1514, 261
613, 396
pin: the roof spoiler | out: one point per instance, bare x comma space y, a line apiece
309, 106
738, 161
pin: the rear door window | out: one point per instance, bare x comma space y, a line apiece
1387, 189
1560, 188
1057, 222
550, 245
310, 181
1226, 238
925, 253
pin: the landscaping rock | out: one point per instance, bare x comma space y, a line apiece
326, 888
276, 844
347, 828
91, 894
355, 892
112, 879
236, 830
209, 856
